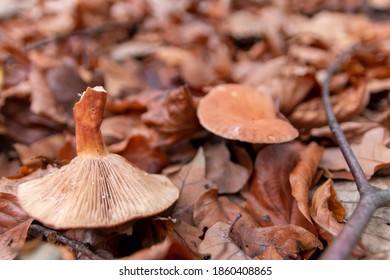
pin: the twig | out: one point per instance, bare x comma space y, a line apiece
371, 198
55, 237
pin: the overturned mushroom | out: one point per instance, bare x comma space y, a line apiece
96, 189
242, 113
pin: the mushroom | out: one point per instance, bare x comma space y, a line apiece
97, 188
240, 112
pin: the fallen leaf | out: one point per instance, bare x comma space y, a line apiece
291, 241
192, 182
350, 129
270, 198
208, 210
47, 147
187, 235
371, 152
229, 177
346, 105
65, 83
217, 245
166, 250
302, 176
14, 224
327, 211
43, 102
138, 151
174, 115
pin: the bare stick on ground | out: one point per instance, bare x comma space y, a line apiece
56, 237
371, 198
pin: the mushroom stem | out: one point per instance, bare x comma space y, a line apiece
88, 114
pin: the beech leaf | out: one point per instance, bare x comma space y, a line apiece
327, 211
192, 182
227, 175
14, 224
372, 153
217, 245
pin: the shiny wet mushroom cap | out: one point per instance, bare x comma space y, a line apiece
240, 112
96, 189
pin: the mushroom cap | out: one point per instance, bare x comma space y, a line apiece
240, 112
96, 192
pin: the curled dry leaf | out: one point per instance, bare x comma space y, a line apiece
327, 211
227, 175
302, 176
217, 245
346, 105
270, 199
14, 224
174, 116
372, 153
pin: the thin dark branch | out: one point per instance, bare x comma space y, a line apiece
371, 198
56, 237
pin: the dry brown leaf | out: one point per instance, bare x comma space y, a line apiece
372, 153
119, 78
188, 235
138, 151
47, 147
208, 210
302, 176
14, 224
174, 115
350, 129
192, 182
217, 245
270, 198
43, 102
65, 83
8, 166
271, 253
286, 81
327, 211
227, 175
166, 250
346, 105
291, 241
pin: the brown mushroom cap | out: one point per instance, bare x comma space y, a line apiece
242, 113
96, 189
